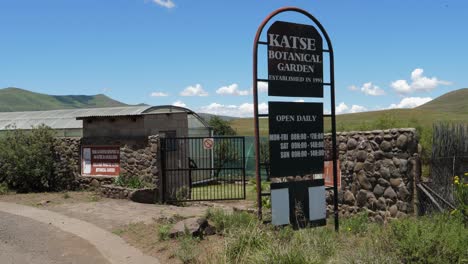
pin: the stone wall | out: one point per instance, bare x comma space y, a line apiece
137, 158
67, 160
379, 169
141, 161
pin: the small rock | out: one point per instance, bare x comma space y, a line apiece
383, 182
361, 198
378, 155
352, 143
349, 198
390, 193
361, 155
386, 146
400, 215
393, 210
379, 219
363, 181
396, 182
43, 202
146, 196
401, 142
379, 190
381, 204
359, 166
403, 193
194, 226
95, 183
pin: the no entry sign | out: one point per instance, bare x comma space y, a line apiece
208, 143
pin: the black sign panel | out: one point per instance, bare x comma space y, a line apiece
296, 138
295, 60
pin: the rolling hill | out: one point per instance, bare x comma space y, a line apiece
16, 99
452, 106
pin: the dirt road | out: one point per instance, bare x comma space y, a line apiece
111, 247
25, 241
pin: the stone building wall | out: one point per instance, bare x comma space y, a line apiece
379, 169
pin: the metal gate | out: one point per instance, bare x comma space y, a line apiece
203, 169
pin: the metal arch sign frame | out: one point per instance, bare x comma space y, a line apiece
331, 84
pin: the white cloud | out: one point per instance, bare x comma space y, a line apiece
342, 108
353, 88
179, 103
232, 89
419, 82
196, 90
164, 3
262, 87
158, 94
370, 89
242, 110
411, 102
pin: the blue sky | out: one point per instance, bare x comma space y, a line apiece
198, 54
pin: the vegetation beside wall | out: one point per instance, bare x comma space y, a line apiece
432, 239
27, 161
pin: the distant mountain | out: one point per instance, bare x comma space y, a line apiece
207, 117
455, 102
450, 107
16, 99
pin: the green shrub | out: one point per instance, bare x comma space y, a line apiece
357, 224
163, 232
3, 188
27, 161
223, 221
130, 182
433, 239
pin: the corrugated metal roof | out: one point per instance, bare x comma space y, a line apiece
67, 118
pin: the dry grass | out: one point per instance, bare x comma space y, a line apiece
35, 199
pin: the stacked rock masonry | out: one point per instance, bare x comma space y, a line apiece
377, 173
139, 159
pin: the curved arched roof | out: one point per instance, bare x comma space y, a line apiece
71, 118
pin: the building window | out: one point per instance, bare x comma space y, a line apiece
171, 141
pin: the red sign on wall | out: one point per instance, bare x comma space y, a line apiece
100, 160
328, 173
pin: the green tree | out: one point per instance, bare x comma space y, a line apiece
221, 127
27, 160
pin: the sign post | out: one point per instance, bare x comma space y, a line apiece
295, 69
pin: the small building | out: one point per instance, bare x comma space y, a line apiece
66, 124
101, 143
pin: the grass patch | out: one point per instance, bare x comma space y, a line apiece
437, 239
163, 232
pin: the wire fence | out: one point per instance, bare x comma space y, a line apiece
449, 158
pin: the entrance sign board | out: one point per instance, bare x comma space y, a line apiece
296, 138
295, 55
295, 60
100, 161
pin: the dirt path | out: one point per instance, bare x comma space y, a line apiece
25, 241
112, 247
